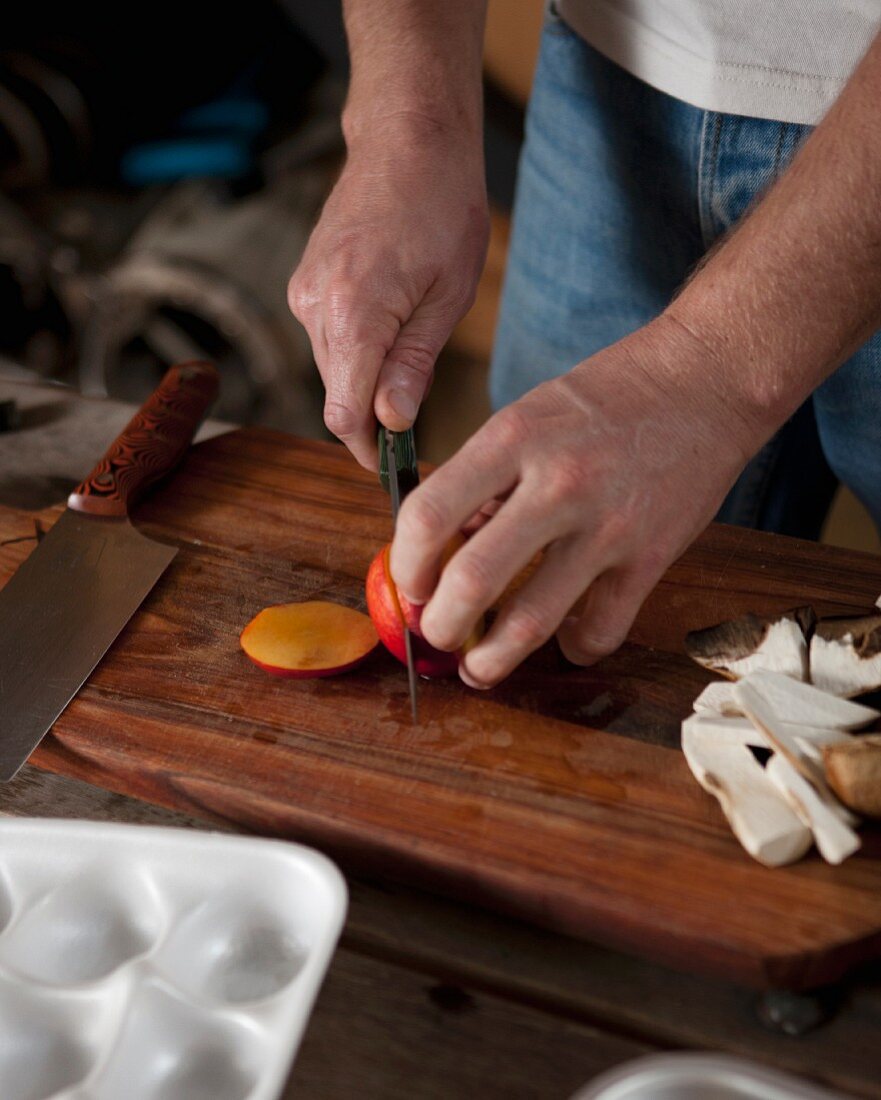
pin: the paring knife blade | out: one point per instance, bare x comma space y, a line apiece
67, 602
390, 468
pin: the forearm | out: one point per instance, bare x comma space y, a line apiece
415, 67
797, 287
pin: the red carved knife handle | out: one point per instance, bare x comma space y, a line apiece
151, 444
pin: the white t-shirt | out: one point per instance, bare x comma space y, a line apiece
780, 59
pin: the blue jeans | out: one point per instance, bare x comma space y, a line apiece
621, 190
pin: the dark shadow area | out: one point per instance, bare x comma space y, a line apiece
32, 493
39, 415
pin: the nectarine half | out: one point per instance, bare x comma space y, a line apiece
391, 611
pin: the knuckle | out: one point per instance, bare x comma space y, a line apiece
423, 516
589, 645
351, 319
417, 359
615, 533
360, 249
340, 419
602, 642
566, 479
301, 297
528, 628
653, 563
470, 581
460, 297
508, 429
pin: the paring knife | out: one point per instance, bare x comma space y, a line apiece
399, 473
65, 605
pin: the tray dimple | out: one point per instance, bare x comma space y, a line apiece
232, 952
6, 904
156, 964
42, 1047
84, 930
174, 1051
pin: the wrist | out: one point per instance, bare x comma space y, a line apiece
717, 364
677, 376
410, 128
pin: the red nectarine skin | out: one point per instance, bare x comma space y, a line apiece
304, 640
307, 674
390, 610
383, 607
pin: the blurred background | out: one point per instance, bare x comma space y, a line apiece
160, 171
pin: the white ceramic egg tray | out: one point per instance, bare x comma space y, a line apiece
141, 963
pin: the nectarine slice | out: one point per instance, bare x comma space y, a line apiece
315, 638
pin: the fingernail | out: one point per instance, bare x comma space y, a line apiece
470, 681
411, 600
403, 404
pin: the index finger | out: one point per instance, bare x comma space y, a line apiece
349, 371
439, 508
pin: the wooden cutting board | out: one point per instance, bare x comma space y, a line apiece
560, 797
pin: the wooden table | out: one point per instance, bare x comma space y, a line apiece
428, 998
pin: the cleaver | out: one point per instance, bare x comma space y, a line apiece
66, 603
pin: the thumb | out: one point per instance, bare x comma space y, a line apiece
406, 373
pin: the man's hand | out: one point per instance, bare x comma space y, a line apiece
394, 261
390, 268
611, 470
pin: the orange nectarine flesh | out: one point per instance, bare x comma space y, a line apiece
392, 587
315, 638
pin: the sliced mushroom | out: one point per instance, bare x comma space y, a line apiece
718, 698
761, 819
734, 649
798, 745
854, 773
845, 655
734, 730
834, 838
814, 753
742, 730
779, 736
799, 703
815, 736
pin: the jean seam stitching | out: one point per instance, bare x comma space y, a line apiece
778, 152
707, 162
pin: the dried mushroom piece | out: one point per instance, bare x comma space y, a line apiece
853, 771
775, 643
845, 655
760, 818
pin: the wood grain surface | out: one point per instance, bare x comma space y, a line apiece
560, 797
453, 956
